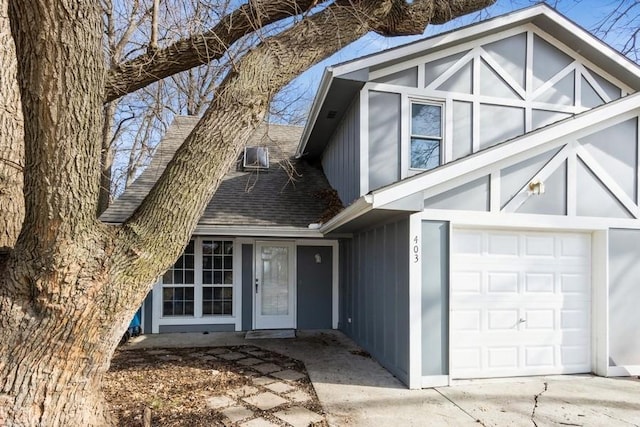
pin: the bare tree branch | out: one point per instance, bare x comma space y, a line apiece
199, 49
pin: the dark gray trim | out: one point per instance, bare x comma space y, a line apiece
197, 328
247, 287
147, 307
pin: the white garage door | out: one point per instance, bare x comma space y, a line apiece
520, 303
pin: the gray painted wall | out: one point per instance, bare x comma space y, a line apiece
615, 149
340, 159
247, 287
472, 196
624, 296
435, 298
408, 77
554, 199
374, 296
314, 265
384, 139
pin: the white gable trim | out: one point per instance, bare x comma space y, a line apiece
539, 140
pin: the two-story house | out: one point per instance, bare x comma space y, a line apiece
490, 178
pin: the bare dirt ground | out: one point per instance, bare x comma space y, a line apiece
179, 385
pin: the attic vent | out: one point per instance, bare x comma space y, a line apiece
332, 114
256, 158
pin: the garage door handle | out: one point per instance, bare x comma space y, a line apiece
522, 320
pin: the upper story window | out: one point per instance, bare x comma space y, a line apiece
426, 135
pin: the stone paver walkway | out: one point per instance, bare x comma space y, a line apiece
280, 393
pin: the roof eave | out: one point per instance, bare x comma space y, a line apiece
321, 94
358, 208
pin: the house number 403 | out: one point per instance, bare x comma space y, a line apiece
416, 249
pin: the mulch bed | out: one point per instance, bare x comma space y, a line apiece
174, 383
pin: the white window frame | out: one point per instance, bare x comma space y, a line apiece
408, 134
198, 317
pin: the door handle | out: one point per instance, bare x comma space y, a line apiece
256, 286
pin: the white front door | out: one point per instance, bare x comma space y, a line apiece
274, 285
520, 303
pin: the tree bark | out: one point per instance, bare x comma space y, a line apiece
11, 141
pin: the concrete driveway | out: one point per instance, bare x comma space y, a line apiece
357, 391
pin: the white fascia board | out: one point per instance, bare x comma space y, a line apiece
539, 137
610, 53
470, 31
356, 209
318, 101
256, 231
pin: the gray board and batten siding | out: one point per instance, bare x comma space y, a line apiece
624, 296
435, 298
314, 292
374, 293
247, 287
384, 139
340, 160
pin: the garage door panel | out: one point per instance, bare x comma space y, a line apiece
520, 303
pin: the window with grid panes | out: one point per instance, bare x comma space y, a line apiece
178, 298
426, 135
217, 277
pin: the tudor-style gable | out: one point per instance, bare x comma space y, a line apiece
461, 93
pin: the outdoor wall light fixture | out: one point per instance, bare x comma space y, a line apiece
536, 187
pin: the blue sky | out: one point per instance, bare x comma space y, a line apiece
586, 13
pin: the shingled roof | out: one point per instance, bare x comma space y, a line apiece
288, 194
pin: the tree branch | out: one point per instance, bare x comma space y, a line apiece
180, 195
201, 48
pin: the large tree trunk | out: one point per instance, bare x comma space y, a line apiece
58, 323
11, 144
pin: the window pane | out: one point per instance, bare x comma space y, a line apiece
167, 308
217, 262
189, 248
217, 308
425, 153
228, 277
168, 277
207, 277
217, 247
206, 262
188, 261
226, 307
189, 277
207, 293
188, 308
177, 277
227, 293
426, 120
188, 294
228, 263
207, 247
228, 248
217, 277
178, 307
207, 307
